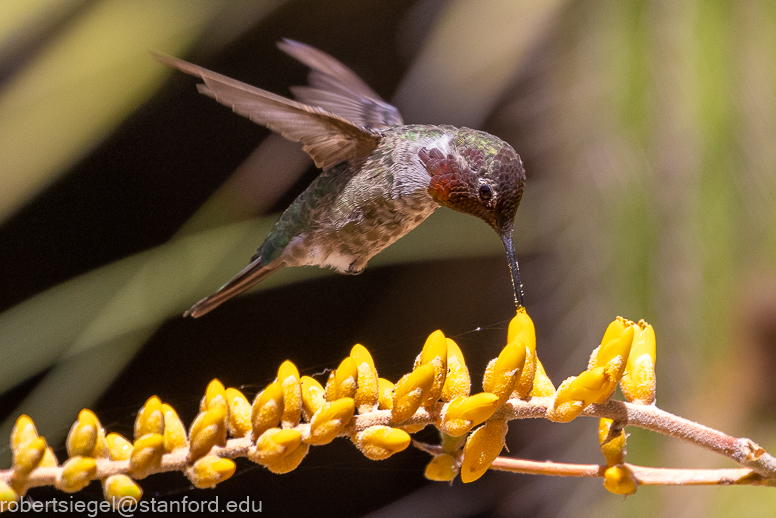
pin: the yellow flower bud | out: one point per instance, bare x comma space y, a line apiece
312, 396
86, 437
434, 353
28, 457
267, 409
639, 383
343, 381
329, 420
174, 431
360, 354
588, 387
615, 329
76, 474
564, 408
521, 327
207, 430
273, 445
410, 392
619, 480
618, 346
146, 455
464, 413
613, 448
576, 393
49, 459
289, 462
8, 498
457, 382
442, 468
385, 393
118, 447
23, 432
482, 448
120, 490
502, 374
543, 386
288, 377
380, 442
239, 423
215, 395
150, 418
209, 471
367, 391
525, 383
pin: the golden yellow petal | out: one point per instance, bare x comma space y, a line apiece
482, 448
209, 471
207, 430
543, 386
146, 455
521, 328
410, 391
290, 461
76, 474
329, 421
120, 490
273, 445
380, 442
457, 382
442, 468
29, 457
619, 480
150, 418
267, 409
312, 396
385, 394
23, 432
175, 436
119, 447
502, 374
215, 395
239, 423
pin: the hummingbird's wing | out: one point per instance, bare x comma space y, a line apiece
327, 138
336, 88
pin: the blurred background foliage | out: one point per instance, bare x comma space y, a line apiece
647, 129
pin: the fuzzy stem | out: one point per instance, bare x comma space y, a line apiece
762, 466
742, 450
644, 476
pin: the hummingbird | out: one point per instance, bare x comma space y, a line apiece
380, 177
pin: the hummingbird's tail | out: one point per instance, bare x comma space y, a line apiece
252, 274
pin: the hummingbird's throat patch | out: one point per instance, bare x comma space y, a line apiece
447, 181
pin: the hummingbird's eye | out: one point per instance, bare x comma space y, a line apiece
485, 192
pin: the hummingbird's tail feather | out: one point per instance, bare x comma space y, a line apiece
248, 277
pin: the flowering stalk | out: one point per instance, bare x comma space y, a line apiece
293, 414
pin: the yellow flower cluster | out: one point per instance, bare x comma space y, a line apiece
296, 412
626, 356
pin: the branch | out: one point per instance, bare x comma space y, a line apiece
742, 450
644, 476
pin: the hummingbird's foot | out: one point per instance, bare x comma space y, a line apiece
356, 267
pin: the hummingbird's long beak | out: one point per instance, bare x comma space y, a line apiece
506, 238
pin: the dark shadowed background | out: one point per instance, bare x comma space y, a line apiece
647, 130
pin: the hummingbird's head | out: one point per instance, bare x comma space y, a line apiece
481, 175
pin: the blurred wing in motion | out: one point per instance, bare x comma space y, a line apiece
327, 138
336, 88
